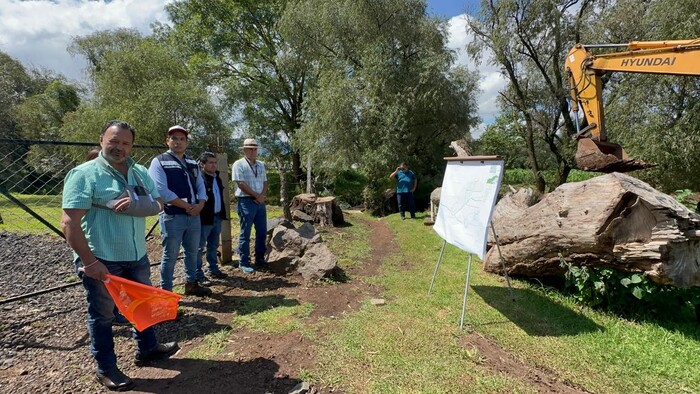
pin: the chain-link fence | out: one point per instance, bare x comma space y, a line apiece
31, 182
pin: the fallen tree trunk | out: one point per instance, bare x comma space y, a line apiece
613, 220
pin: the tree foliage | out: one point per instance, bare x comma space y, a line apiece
529, 39
655, 117
237, 47
147, 83
386, 90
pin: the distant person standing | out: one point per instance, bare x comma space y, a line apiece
180, 182
109, 241
212, 214
406, 183
251, 180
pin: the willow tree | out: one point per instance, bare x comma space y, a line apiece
146, 82
387, 90
236, 47
529, 39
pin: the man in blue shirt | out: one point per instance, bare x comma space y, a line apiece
179, 180
406, 183
109, 241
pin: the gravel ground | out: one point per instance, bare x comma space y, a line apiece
43, 339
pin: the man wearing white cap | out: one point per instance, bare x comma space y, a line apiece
251, 180
180, 183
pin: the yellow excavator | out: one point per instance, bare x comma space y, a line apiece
594, 151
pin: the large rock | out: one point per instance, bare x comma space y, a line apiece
299, 249
614, 221
318, 261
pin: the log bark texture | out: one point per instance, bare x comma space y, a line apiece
613, 220
324, 210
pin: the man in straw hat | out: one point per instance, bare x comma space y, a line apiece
251, 180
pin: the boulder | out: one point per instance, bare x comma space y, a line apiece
301, 250
317, 262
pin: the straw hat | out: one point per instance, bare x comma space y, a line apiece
250, 143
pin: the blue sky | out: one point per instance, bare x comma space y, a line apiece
37, 33
450, 8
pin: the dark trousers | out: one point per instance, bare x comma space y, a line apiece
406, 202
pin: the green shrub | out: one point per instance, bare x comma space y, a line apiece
625, 293
273, 186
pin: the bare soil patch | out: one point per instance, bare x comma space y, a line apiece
502, 362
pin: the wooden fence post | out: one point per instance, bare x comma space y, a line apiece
226, 246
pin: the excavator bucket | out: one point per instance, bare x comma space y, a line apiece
605, 157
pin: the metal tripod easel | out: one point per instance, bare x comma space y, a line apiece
469, 269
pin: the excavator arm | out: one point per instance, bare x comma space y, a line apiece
595, 152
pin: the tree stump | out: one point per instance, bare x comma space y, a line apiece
613, 220
323, 210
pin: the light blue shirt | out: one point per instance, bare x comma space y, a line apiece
217, 197
161, 180
111, 236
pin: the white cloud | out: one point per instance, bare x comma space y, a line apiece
38, 32
491, 81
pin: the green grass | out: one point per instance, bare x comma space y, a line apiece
351, 244
214, 344
17, 220
411, 343
266, 318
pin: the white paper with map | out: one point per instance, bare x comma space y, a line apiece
467, 198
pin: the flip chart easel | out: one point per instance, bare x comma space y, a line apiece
468, 196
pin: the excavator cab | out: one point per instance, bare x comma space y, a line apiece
595, 153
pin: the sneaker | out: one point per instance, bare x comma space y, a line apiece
218, 274
204, 282
247, 269
194, 288
120, 320
161, 351
403, 217
262, 266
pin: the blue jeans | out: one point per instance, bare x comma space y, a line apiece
101, 311
177, 230
209, 237
251, 213
406, 203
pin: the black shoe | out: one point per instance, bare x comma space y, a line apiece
115, 380
218, 275
163, 350
194, 288
262, 266
205, 282
120, 320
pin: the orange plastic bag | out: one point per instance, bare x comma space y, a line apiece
141, 304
